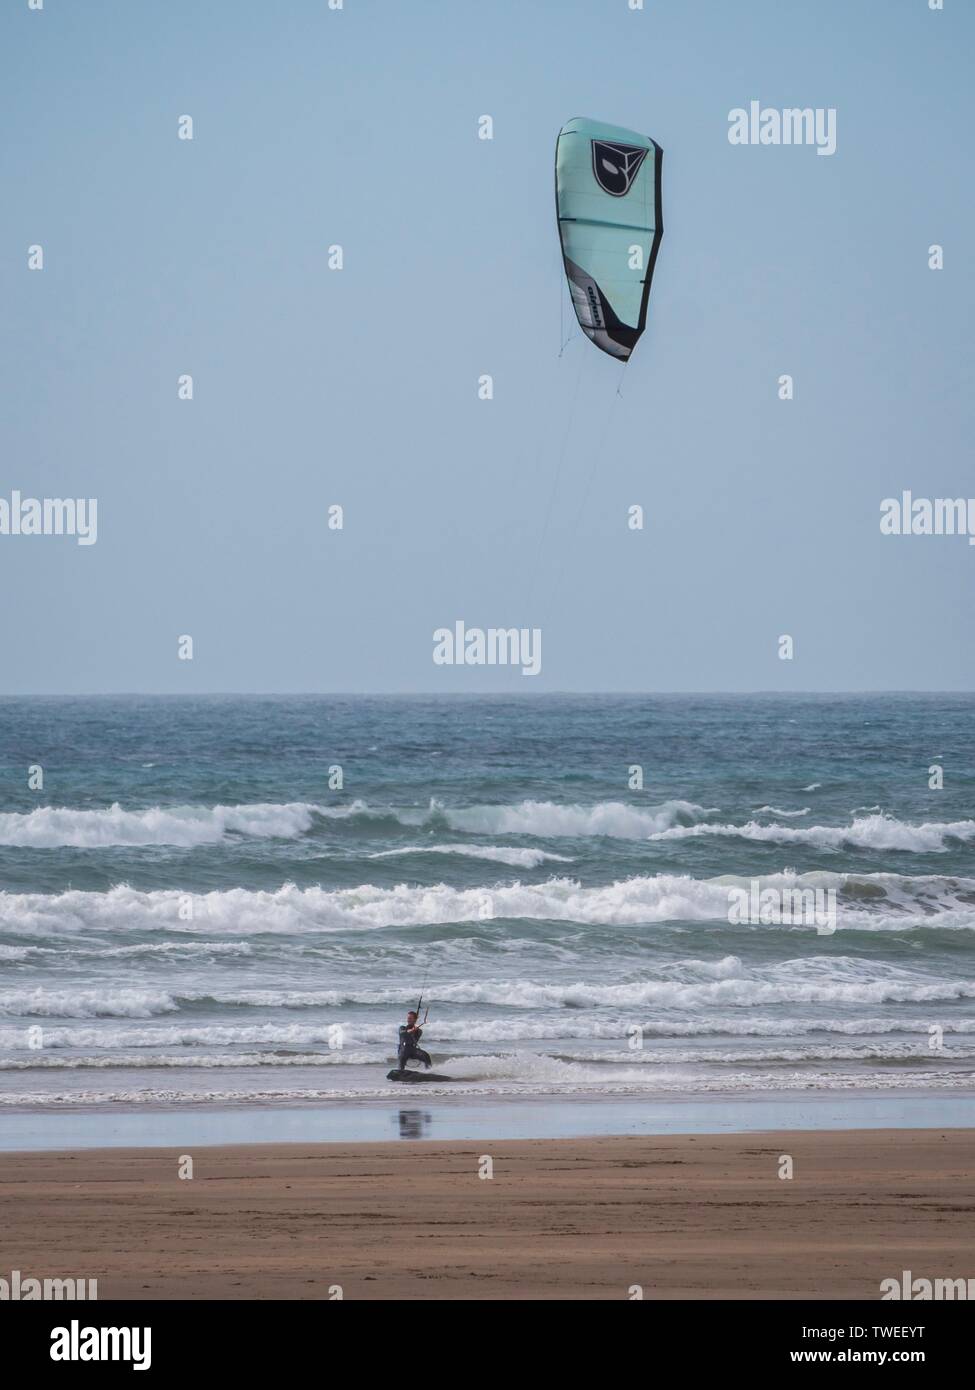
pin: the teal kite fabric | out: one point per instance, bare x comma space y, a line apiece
608, 200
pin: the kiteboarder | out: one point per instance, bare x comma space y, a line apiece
410, 1034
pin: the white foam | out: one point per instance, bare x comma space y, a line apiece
869, 901
763, 989
570, 1078
185, 826
524, 1064
791, 1054
879, 832
551, 820
170, 949
498, 854
210, 1061
82, 1002
563, 1026
811, 980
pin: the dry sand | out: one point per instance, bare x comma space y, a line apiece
703, 1216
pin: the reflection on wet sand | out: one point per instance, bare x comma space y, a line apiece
413, 1124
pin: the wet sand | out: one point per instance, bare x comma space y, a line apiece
681, 1216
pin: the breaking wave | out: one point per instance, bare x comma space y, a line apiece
865, 901
497, 854
878, 832
52, 827
56, 826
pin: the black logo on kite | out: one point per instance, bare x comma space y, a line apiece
616, 166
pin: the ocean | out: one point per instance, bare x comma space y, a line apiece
232, 901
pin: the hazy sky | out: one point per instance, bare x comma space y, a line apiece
359, 387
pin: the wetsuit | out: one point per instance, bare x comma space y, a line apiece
408, 1049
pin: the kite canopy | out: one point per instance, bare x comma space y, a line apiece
607, 195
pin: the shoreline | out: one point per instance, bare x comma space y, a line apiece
678, 1216
436, 1118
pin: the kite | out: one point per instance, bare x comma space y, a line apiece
608, 200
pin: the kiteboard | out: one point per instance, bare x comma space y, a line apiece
412, 1076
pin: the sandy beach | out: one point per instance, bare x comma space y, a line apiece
697, 1216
